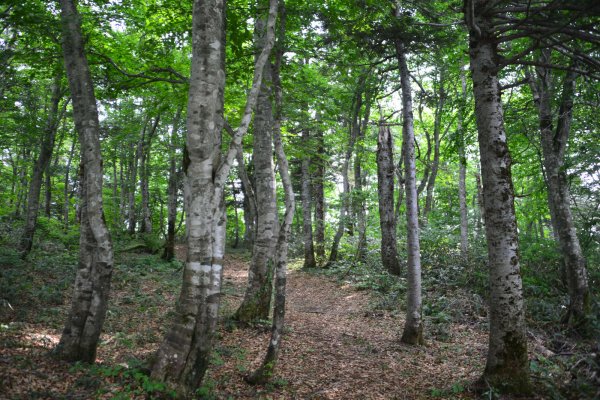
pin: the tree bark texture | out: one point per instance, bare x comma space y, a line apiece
359, 178
184, 354
41, 165
507, 366
309, 249
257, 298
554, 145
92, 282
385, 191
66, 198
249, 201
413, 328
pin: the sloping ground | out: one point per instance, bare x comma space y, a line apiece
335, 347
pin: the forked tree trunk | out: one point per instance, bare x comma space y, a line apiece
92, 282
184, 355
554, 144
507, 367
309, 249
169, 251
385, 190
41, 165
257, 298
413, 328
267, 368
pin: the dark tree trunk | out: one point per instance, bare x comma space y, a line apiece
92, 283
146, 225
249, 202
169, 252
385, 190
41, 165
66, 198
309, 249
319, 196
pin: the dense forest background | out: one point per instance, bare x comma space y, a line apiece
438, 160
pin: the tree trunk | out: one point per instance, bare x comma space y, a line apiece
169, 252
385, 190
462, 171
67, 203
133, 179
437, 126
184, 355
146, 225
507, 367
92, 283
41, 165
309, 250
257, 299
249, 201
319, 196
359, 198
413, 328
267, 368
554, 144
345, 195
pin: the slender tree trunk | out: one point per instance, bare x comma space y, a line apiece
48, 190
184, 355
92, 283
146, 225
169, 252
462, 171
309, 250
507, 366
401, 183
359, 206
385, 190
137, 154
249, 201
437, 126
319, 196
257, 299
41, 165
554, 144
67, 203
345, 195
267, 368
413, 328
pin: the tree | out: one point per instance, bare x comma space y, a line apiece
507, 367
92, 283
183, 356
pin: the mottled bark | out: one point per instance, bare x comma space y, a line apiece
133, 179
385, 191
172, 188
146, 223
401, 182
257, 298
309, 249
413, 328
359, 178
507, 367
92, 282
554, 145
462, 170
184, 355
41, 165
319, 196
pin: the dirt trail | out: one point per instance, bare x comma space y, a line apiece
336, 347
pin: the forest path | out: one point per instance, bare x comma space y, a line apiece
337, 347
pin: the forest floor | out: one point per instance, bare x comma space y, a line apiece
337, 343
